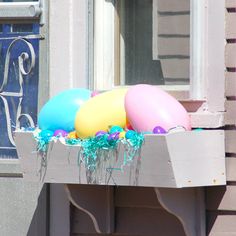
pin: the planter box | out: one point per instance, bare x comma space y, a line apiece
182, 159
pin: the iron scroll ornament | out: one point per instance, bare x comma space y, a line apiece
24, 57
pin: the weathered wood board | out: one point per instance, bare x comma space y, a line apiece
182, 159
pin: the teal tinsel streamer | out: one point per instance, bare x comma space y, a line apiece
98, 147
93, 147
42, 144
43, 138
132, 147
73, 141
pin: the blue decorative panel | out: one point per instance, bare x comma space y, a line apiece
19, 72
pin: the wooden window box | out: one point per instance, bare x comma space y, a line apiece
174, 160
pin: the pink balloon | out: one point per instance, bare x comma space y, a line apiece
148, 106
94, 93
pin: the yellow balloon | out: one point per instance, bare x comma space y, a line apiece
122, 134
100, 113
72, 135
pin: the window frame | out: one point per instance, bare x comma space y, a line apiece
206, 69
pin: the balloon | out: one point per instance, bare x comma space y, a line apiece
72, 135
122, 134
59, 112
60, 133
100, 133
46, 135
100, 113
158, 130
146, 106
94, 93
130, 134
113, 137
129, 127
116, 128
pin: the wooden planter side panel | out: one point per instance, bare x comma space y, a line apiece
170, 160
220, 201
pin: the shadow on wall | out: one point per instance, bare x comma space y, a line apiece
40, 222
214, 196
129, 211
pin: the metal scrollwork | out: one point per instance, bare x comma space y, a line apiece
24, 57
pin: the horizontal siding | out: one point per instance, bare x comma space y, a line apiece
230, 141
230, 85
230, 3
175, 68
230, 117
174, 25
173, 6
231, 169
173, 46
221, 198
230, 149
230, 29
230, 55
173, 40
221, 225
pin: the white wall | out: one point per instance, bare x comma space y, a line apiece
68, 45
68, 68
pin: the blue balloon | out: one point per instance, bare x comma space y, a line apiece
46, 135
59, 112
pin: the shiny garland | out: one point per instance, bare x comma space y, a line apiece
96, 147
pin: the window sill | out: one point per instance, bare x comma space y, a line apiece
10, 168
174, 160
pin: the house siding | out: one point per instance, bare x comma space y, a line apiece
220, 201
172, 34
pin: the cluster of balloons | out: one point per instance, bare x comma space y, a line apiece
80, 113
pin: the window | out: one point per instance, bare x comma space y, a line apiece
19, 69
149, 42
153, 42
24, 28
175, 43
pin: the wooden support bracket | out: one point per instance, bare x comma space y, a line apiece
187, 205
97, 203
